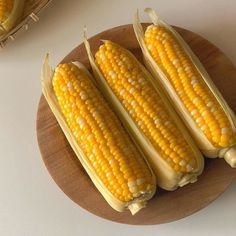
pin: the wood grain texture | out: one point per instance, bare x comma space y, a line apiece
70, 176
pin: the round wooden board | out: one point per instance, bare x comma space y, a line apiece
165, 207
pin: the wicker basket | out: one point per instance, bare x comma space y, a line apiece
30, 15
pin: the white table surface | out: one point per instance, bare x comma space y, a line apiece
30, 202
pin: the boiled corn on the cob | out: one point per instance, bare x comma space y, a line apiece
102, 145
199, 103
5, 9
10, 13
168, 148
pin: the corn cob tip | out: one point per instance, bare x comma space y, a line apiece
230, 156
136, 207
188, 178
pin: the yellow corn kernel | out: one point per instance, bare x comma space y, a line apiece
100, 134
205, 110
5, 9
145, 106
10, 14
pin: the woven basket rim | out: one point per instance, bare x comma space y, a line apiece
32, 17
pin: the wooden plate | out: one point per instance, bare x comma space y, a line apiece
68, 173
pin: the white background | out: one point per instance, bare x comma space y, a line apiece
30, 202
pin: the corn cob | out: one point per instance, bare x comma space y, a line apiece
102, 145
5, 9
195, 97
10, 13
146, 114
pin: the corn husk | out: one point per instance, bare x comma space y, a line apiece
14, 16
167, 178
31, 12
160, 79
47, 89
